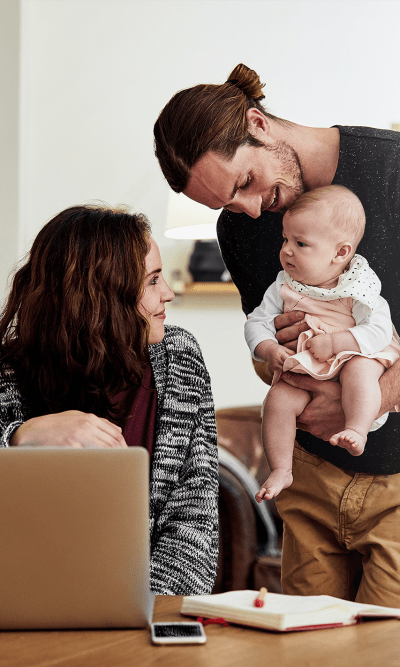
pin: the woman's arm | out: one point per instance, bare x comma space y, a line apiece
184, 551
12, 411
71, 428
184, 483
64, 429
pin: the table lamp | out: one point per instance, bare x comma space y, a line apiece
187, 219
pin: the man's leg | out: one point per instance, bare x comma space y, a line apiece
314, 559
373, 528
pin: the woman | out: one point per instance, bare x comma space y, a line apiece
86, 362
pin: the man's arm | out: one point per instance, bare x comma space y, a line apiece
289, 327
323, 416
390, 388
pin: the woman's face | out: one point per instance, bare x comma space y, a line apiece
155, 294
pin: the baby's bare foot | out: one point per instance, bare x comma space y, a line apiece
280, 478
351, 440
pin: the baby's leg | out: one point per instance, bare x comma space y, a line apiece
282, 406
361, 400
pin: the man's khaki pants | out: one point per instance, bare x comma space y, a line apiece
341, 533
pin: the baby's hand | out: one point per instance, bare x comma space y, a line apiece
276, 355
321, 347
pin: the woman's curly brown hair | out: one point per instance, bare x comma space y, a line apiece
71, 328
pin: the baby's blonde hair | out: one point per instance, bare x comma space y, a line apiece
347, 212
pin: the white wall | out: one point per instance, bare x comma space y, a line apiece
96, 73
9, 135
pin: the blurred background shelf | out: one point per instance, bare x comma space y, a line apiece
210, 288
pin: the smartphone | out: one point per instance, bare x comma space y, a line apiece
177, 633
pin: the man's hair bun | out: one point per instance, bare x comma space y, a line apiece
248, 81
207, 117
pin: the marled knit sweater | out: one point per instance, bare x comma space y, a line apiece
184, 470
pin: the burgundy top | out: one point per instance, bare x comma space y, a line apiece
140, 427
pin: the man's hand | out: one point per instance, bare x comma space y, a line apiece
263, 371
68, 429
323, 416
288, 327
321, 347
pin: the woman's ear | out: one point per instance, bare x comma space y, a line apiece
343, 253
258, 124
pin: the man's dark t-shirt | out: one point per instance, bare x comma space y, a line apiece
369, 165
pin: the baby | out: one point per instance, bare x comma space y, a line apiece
350, 338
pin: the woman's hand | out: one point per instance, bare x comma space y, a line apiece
288, 328
323, 416
68, 429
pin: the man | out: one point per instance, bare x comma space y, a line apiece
219, 146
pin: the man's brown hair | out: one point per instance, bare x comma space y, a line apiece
206, 118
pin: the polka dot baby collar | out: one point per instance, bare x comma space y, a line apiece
359, 282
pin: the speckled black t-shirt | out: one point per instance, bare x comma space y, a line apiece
369, 164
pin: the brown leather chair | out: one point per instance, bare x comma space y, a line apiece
250, 534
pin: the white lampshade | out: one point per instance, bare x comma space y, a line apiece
186, 219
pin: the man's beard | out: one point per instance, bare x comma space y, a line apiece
291, 166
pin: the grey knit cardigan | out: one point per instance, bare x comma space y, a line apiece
184, 469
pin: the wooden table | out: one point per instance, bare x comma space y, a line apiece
376, 643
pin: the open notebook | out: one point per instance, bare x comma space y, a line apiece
283, 613
74, 527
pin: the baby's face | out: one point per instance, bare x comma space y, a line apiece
309, 245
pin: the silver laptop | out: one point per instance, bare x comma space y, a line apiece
74, 538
